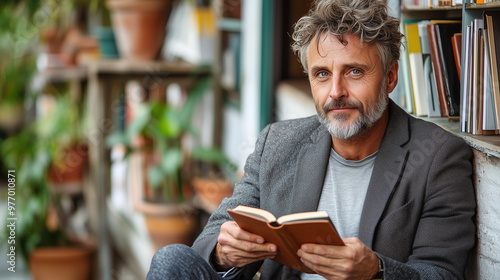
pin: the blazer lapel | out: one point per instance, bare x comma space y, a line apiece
310, 173
386, 173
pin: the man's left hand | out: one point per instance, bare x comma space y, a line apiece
353, 261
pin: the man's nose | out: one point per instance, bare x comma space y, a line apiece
338, 88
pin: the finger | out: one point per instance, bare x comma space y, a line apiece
330, 251
328, 268
234, 230
319, 259
246, 246
236, 257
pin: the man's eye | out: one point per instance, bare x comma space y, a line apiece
322, 74
356, 72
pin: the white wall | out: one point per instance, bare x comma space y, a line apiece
485, 259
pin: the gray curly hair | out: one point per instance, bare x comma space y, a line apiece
367, 19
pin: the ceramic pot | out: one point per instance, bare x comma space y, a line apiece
210, 192
139, 27
170, 223
60, 263
70, 166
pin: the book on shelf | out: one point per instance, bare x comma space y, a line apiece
404, 96
437, 69
288, 232
479, 107
467, 79
456, 42
492, 25
433, 107
416, 69
490, 121
477, 72
444, 32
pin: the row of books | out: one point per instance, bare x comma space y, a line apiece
431, 72
481, 93
483, 1
441, 3
429, 68
432, 3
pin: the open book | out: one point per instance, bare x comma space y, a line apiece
288, 232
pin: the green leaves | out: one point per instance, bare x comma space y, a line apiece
166, 126
168, 167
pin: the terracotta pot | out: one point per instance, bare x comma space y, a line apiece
70, 167
139, 26
210, 192
60, 263
169, 224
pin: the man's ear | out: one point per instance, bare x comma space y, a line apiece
392, 77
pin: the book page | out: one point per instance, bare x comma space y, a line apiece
255, 212
317, 215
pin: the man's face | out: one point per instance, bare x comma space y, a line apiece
347, 83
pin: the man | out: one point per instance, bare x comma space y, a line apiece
398, 189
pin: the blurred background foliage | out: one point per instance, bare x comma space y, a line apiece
22, 26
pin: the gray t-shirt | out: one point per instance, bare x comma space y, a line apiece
343, 194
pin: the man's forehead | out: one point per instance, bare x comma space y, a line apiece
325, 43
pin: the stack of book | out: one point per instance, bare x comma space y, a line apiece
433, 71
432, 3
480, 93
430, 67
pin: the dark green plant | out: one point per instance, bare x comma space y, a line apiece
26, 154
167, 126
31, 153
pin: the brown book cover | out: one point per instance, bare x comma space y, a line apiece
288, 232
438, 70
457, 51
492, 26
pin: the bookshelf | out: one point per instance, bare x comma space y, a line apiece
485, 256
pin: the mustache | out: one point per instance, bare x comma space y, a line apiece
342, 103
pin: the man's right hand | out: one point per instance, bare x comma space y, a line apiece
237, 248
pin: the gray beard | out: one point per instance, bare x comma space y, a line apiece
339, 129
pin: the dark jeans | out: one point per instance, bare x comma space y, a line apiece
178, 262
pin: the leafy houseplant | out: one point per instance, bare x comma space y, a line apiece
162, 130
30, 146
31, 153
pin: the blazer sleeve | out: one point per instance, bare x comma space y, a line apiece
246, 192
446, 232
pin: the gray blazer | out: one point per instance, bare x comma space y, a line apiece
419, 209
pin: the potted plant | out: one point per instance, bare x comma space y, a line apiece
139, 26
62, 130
41, 234
30, 146
158, 133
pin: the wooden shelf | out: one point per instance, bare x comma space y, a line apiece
491, 5
415, 12
130, 67
63, 74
